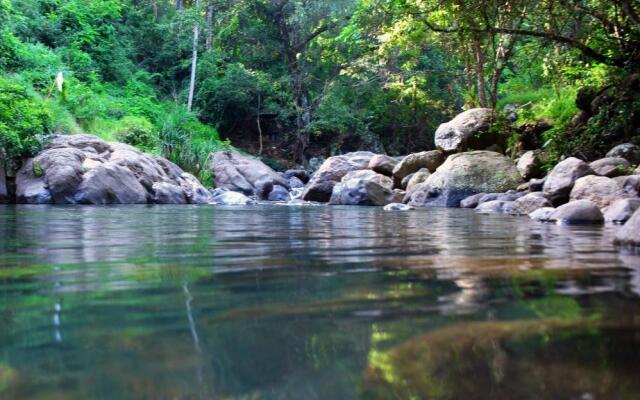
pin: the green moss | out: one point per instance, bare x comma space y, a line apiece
37, 170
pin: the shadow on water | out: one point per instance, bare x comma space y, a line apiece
277, 302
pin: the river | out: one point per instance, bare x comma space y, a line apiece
312, 302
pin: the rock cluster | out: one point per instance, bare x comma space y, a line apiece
84, 169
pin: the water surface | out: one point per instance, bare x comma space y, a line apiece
277, 302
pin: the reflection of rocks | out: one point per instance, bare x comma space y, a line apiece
543, 359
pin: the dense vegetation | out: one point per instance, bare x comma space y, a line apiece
292, 79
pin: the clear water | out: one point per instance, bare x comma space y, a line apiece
279, 302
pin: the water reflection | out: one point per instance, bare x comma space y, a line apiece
310, 302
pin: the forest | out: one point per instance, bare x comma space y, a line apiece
289, 80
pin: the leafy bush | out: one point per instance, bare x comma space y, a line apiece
139, 132
24, 120
189, 143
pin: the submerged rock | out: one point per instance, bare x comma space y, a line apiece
320, 187
621, 210
243, 174
578, 212
468, 131
463, 175
629, 234
84, 169
492, 207
561, 179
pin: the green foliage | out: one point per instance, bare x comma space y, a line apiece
189, 143
137, 131
25, 122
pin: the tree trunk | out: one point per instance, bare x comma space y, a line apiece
194, 63
209, 42
259, 124
479, 69
179, 4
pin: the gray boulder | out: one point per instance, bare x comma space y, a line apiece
468, 131
87, 170
295, 183
628, 151
417, 178
577, 212
360, 192
560, 181
279, 193
111, 183
369, 175
542, 214
430, 160
463, 175
621, 210
472, 201
629, 234
301, 174
528, 204
492, 207
320, 187
168, 193
383, 164
600, 190
247, 175
610, 166
530, 165
537, 185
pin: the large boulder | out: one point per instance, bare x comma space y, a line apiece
621, 210
469, 130
558, 184
430, 160
530, 165
628, 151
383, 164
463, 175
331, 172
610, 166
235, 172
629, 234
369, 175
578, 212
85, 169
600, 190
361, 192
